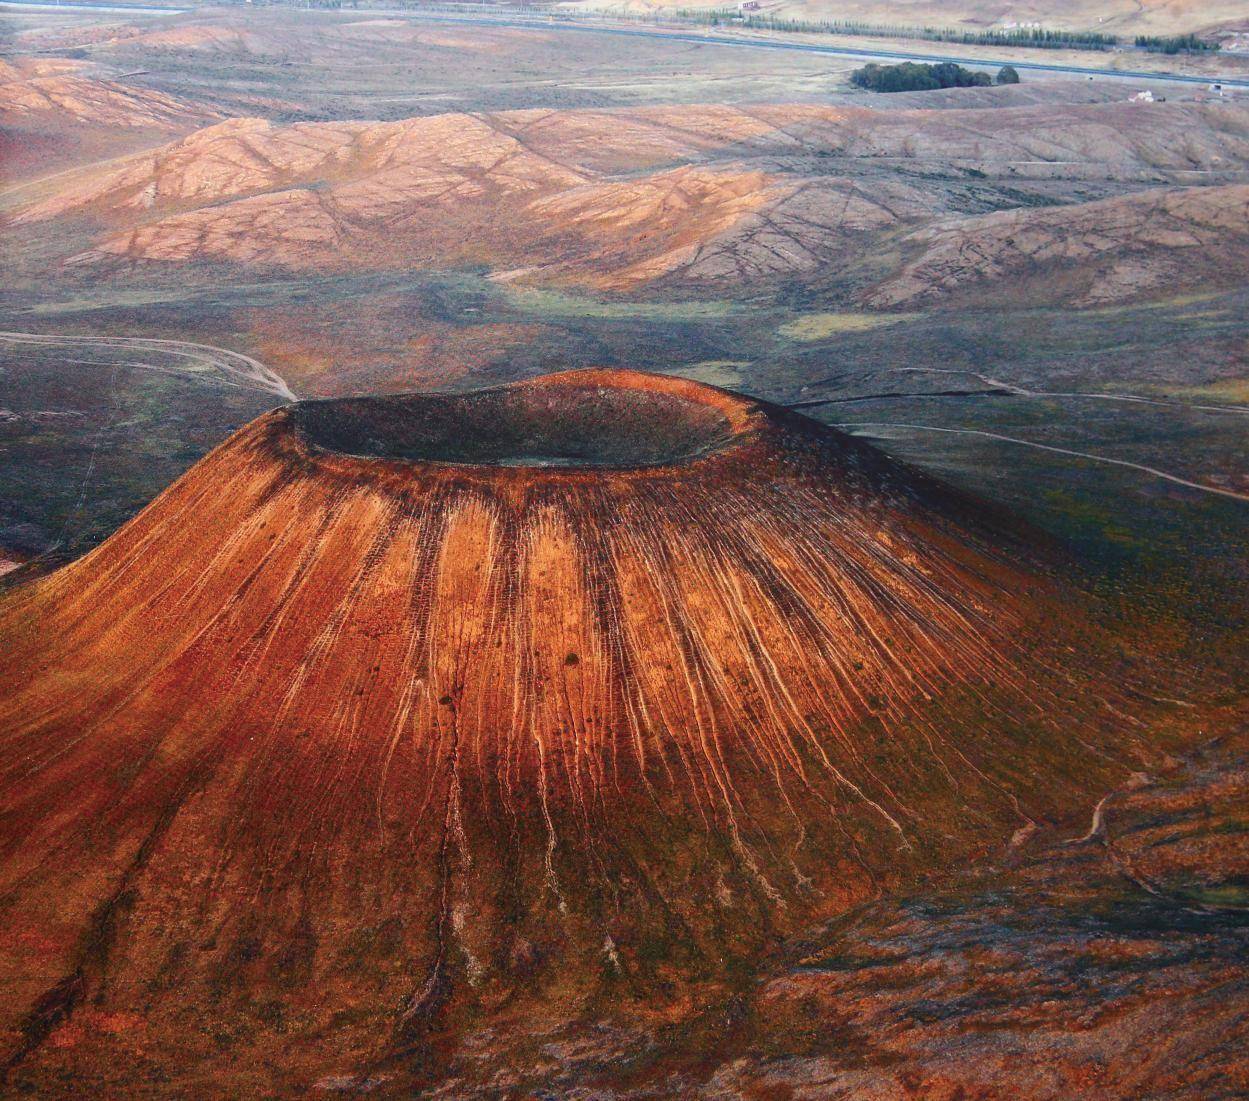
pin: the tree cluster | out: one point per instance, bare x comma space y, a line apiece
1036, 38
1174, 44
910, 76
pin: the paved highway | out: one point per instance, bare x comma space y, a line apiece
740, 41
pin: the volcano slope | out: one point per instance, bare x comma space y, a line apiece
396, 715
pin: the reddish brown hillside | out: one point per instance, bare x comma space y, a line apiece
56, 92
1090, 254
395, 713
621, 199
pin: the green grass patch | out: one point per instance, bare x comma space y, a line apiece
1235, 895
820, 326
552, 303
715, 372
1233, 390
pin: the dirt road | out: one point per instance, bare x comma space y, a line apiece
182, 357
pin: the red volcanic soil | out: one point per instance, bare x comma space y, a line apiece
397, 713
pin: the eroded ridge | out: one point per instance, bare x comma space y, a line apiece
338, 740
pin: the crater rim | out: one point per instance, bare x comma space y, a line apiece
573, 421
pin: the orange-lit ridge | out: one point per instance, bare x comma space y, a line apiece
394, 709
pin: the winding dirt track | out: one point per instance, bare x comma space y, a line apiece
206, 361
1233, 494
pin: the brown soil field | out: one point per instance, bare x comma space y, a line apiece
37, 89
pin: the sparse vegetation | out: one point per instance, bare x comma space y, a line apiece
910, 76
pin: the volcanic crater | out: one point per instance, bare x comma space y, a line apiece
394, 714
572, 424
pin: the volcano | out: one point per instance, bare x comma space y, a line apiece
398, 713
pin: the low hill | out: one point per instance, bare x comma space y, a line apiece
53, 92
1096, 253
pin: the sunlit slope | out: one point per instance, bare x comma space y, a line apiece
1123, 248
55, 92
